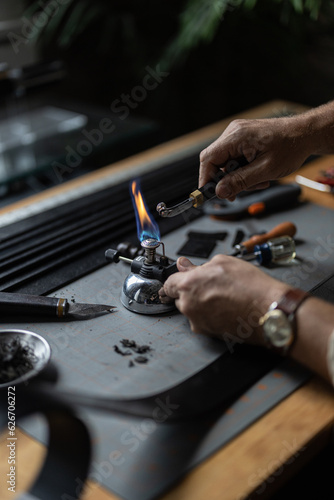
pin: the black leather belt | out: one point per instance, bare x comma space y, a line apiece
66, 465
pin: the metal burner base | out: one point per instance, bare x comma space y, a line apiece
141, 295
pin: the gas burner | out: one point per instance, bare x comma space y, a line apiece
140, 291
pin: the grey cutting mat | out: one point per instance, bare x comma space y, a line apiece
136, 458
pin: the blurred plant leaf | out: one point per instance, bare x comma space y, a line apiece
66, 21
199, 21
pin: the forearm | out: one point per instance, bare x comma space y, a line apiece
227, 297
274, 148
317, 129
315, 323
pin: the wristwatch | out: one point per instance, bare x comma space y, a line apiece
279, 323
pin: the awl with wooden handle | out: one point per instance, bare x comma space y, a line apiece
283, 229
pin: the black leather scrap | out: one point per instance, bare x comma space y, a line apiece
67, 461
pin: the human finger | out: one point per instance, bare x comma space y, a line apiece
171, 287
211, 160
243, 179
184, 264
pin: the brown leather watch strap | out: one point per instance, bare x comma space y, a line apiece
291, 300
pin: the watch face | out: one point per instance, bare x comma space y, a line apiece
277, 328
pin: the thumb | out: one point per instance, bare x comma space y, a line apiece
184, 264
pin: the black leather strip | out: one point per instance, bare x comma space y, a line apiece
46, 251
69, 450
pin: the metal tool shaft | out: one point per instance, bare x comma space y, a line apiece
176, 209
200, 195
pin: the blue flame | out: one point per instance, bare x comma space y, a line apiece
147, 227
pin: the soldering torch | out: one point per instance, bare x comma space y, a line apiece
200, 195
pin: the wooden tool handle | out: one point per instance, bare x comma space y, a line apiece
19, 303
283, 229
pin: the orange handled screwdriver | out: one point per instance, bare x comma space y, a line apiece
283, 229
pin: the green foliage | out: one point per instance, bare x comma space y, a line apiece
198, 21
61, 26
223, 56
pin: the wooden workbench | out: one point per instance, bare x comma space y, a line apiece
275, 446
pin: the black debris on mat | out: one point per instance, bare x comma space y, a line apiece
122, 353
16, 359
133, 348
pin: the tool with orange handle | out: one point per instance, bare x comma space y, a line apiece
283, 229
279, 250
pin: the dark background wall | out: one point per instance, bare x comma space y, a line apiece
161, 69
269, 51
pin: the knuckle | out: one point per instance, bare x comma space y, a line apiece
187, 282
238, 125
186, 307
215, 267
239, 182
204, 154
218, 259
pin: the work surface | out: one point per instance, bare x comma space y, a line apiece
87, 362
171, 339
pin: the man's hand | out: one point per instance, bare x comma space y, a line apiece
223, 296
273, 148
